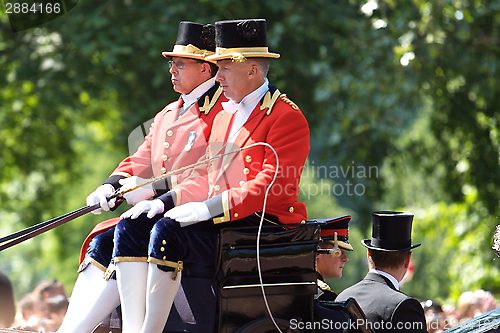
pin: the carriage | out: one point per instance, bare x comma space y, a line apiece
264, 283
257, 285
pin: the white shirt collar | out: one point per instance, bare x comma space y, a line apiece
197, 92
391, 278
249, 102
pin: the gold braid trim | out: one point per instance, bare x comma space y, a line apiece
225, 208
178, 195
323, 285
289, 102
173, 181
240, 54
269, 101
129, 259
179, 266
119, 173
91, 261
191, 49
207, 106
109, 271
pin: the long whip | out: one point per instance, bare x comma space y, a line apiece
37, 229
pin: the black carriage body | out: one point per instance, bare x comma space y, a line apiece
287, 265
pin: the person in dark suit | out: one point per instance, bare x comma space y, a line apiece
387, 309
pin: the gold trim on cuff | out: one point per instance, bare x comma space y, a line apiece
119, 173
129, 259
173, 181
178, 194
179, 266
91, 261
109, 271
225, 208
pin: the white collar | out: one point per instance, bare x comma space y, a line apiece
249, 102
197, 92
391, 278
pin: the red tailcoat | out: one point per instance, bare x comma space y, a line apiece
171, 144
239, 190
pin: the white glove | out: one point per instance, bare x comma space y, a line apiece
152, 207
139, 194
100, 196
189, 213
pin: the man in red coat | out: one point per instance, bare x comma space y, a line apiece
177, 138
264, 141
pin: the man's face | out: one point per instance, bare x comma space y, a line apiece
186, 74
330, 267
234, 79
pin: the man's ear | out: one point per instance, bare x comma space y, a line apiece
253, 71
407, 260
205, 69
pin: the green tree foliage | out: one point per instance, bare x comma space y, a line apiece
455, 49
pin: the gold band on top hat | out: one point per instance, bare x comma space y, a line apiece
240, 53
188, 50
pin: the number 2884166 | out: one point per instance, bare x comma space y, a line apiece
36, 8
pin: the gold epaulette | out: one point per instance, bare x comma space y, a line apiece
322, 284
269, 101
207, 104
288, 101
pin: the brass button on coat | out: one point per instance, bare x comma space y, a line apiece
248, 158
164, 242
242, 182
164, 157
170, 133
246, 171
291, 209
162, 249
163, 170
166, 145
235, 215
216, 187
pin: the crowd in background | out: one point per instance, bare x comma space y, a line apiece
41, 310
470, 304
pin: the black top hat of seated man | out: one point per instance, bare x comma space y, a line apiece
194, 40
241, 39
391, 232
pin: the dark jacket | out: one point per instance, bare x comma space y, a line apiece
386, 308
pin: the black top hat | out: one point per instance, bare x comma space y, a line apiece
391, 232
339, 225
194, 40
241, 39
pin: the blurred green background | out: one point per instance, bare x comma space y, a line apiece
402, 98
